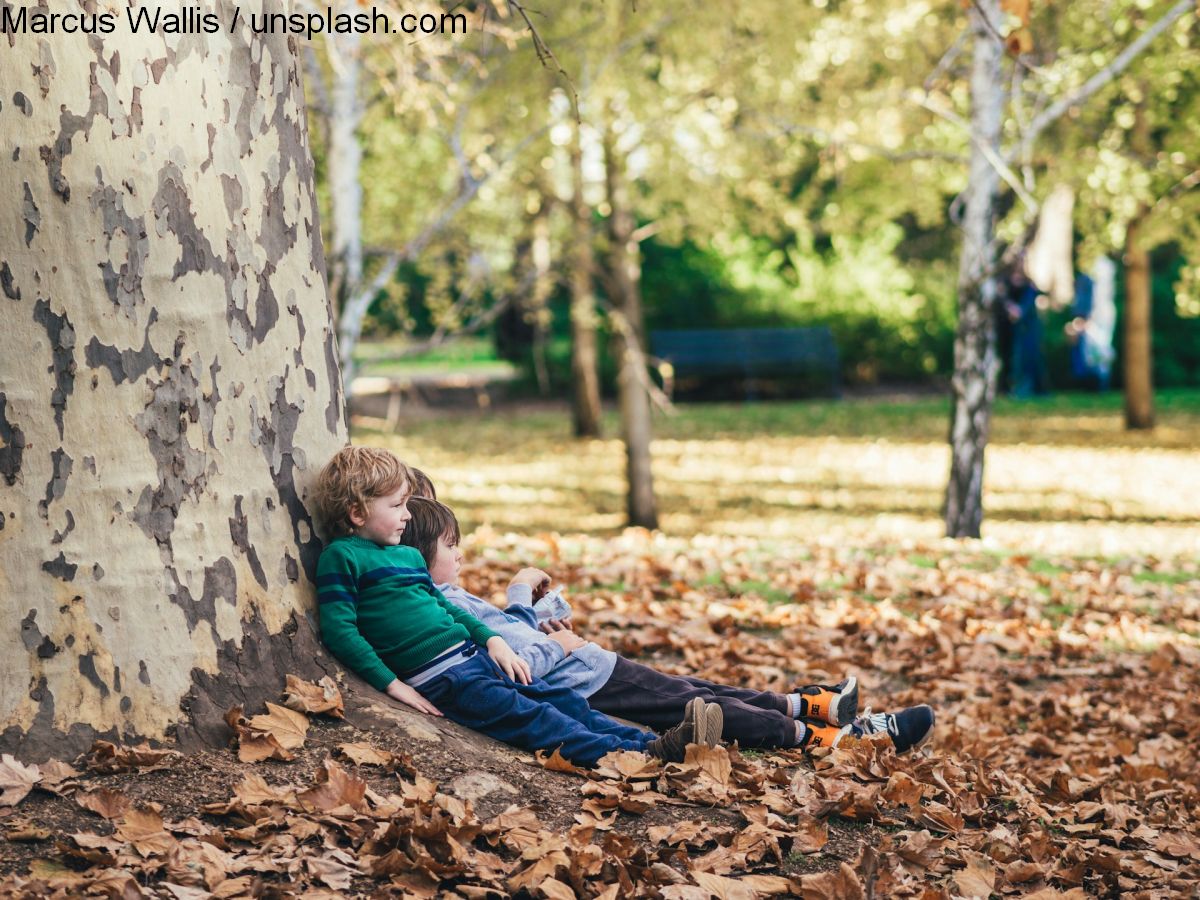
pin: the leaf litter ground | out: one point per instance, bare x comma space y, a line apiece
1063, 763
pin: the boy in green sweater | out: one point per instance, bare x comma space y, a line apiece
383, 618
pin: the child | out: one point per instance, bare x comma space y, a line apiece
812, 716
383, 618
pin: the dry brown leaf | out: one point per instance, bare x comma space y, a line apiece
256, 746
26, 833
556, 890
769, 885
364, 754
143, 828
840, 884
16, 780
810, 835
108, 757
306, 697
978, 878
333, 873
556, 763
103, 802
334, 788
714, 761
287, 726
723, 888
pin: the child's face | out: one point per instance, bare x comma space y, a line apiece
385, 518
446, 562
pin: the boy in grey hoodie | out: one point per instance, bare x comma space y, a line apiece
810, 716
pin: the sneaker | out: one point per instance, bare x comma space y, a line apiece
702, 724
835, 704
909, 728
821, 734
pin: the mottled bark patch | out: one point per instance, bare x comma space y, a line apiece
60, 568
87, 668
127, 364
124, 285
239, 532
7, 284
56, 487
31, 635
60, 536
274, 436
220, 583
12, 445
62, 348
181, 467
173, 206
31, 214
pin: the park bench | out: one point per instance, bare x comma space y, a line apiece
753, 354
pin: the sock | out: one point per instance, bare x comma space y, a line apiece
794, 700
801, 734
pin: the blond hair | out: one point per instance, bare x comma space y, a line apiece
354, 477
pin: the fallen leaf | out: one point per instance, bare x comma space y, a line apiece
143, 828
286, 726
334, 788
16, 780
365, 755
978, 878
306, 697
104, 802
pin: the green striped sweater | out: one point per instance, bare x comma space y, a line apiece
381, 616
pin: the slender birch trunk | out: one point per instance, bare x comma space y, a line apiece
169, 384
624, 270
585, 392
975, 362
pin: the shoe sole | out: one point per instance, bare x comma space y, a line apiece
695, 712
846, 704
714, 724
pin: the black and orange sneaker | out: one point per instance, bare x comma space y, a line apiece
821, 734
909, 728
834, 704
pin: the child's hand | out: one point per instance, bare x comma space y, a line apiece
535, 578
552, 625
568, 640
398, 690
511, 664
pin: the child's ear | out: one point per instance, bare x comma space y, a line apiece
356, 516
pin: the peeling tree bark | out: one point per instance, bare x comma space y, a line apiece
975, 363
169, 382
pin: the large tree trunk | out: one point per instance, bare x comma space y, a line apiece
1137, 352
169, 383
975, 363
624, 271
585, 390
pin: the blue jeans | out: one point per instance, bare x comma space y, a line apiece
534, 716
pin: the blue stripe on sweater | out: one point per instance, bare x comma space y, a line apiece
335, 578
403, 576
327, 596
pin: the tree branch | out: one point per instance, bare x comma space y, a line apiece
1100, 79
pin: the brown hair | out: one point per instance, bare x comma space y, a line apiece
422, 486
430, 520
354, 477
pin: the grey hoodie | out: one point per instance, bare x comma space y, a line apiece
585, 670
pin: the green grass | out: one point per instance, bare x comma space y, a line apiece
1165, 577
787, 473
766, 590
